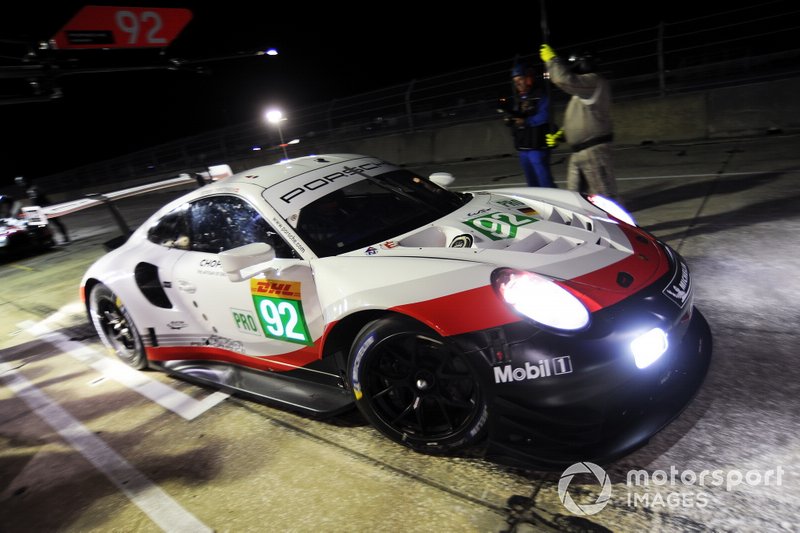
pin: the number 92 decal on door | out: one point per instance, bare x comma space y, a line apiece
280, 310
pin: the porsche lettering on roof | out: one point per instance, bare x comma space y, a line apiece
295, 193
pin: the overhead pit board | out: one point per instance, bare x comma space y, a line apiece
122, 27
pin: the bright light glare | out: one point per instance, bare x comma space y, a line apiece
545, 302
274, 116
272, 52
612, 208
294, 141
647, 348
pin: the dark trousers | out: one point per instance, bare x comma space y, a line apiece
536, 166
60, 225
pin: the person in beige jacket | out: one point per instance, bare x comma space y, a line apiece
587, 125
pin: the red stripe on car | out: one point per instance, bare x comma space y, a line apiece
599, 289
462, 312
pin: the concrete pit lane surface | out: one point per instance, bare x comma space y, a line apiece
87, 444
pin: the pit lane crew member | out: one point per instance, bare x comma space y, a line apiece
587, 125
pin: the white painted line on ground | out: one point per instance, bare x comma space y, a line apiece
164, 395
632, 178
72, 308
150, 498
708, 175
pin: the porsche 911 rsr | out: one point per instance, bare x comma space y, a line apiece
540, 322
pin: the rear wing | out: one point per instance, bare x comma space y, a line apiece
214, 173
94, 199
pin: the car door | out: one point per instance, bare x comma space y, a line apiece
272, 314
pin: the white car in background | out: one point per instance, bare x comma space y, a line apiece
22, 229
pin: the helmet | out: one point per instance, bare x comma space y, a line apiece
522, 69
583, 62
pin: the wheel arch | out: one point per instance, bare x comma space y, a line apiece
340, 338
88, 285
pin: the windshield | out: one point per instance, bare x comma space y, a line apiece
372, 210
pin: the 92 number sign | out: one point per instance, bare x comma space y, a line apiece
133, 24
282, 319
122, 27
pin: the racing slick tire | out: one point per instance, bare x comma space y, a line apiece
115, 327
415, 388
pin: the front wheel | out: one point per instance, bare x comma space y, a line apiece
415, 388
115, 326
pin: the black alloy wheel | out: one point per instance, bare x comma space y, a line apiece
415, 388
115, 327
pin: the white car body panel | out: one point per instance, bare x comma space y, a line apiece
386, 275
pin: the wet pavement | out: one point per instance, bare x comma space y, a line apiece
87, 446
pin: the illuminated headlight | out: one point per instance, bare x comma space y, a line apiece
612, 208
540, 299
647, 348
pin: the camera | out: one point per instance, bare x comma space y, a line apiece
506, 105
508, 108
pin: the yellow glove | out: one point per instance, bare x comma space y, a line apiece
552, 139
546, 53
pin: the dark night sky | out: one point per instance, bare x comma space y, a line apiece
324, 53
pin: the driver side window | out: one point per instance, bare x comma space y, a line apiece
172, 230
217, 224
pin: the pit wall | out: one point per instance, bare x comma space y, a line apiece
741, 111
744, 110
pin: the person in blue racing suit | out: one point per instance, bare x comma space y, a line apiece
528, 118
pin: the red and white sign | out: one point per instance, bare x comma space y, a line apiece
122, 27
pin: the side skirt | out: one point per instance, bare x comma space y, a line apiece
288, 392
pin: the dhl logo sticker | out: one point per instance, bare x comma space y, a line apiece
276, 288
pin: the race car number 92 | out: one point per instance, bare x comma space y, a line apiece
282, 319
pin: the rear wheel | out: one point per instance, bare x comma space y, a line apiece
115, 326
415, 388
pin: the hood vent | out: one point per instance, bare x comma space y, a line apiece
559, 215
559, 245
571, 219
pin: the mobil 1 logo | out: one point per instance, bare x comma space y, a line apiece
540, 369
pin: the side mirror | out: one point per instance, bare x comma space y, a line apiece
239, 263
442, 179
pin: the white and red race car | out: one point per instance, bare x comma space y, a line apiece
538, 321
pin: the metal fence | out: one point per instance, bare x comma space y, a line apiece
731, 47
